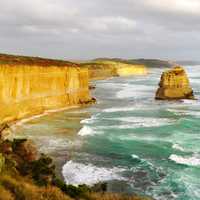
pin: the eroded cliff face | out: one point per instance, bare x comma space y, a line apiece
174, 84
132, 70
29, 90
106, 69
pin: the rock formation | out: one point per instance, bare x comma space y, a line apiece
174, 84
99, 70
27, 90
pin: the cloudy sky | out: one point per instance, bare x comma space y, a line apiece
82, 29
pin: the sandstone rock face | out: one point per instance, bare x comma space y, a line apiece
30, 90
106, 69
174, 84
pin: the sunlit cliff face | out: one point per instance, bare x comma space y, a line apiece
31, 90
174, 84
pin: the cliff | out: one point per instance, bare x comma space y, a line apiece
33, 85
149, 63
174, 84
27, 90
105, 69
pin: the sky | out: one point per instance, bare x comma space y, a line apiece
87, 29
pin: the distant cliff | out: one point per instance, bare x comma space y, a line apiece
33, 85
149, 63
105, 69
30, 86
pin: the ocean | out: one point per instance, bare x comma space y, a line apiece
128, 139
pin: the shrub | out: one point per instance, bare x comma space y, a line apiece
5, 194
2, 162
22, 189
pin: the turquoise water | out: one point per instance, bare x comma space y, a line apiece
129, 140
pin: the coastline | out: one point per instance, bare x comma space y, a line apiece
77, 97
16, 124
60, 156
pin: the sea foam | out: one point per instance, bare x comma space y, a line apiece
178, 147
86, 130
138, 122
125, 109
190, 161
78, 173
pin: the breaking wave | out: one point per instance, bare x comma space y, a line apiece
190, 161
77, 173
86, 130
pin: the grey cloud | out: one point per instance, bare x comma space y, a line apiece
75, 29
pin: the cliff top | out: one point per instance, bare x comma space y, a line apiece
151, 63
177, 70
26, 60
97, 64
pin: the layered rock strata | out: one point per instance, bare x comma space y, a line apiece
27, 90
106, 69
174, 84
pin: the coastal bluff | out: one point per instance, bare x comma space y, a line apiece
31, 86
174, 84
102, 69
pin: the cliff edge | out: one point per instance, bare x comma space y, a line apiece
174, 84
105, 69
30, 86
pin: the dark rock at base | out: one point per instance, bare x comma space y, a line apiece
25, 149
92, 87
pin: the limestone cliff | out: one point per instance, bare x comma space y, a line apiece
132, 70
105, 69
27, 90
174, 84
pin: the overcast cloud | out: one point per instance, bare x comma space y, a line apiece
82, 29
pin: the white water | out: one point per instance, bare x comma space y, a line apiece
79, 173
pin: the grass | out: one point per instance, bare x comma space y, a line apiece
21, 189
26, 60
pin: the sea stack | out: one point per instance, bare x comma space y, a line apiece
174, 84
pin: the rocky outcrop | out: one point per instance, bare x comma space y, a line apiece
174, 84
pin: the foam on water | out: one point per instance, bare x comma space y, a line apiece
137, 122
133, 91
178, 147
86, 130
77, 173
181, 112
190, 161
90, 120
135, 156
126, 109
144, 162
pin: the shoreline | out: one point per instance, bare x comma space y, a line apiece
15, 125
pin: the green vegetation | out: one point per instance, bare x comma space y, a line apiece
151, 63
96, 63
26, 176
26, 60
